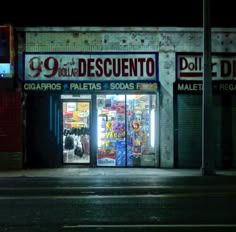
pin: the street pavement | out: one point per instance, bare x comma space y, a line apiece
75, 172
117, 199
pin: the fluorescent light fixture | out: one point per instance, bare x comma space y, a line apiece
152, 128
99, 130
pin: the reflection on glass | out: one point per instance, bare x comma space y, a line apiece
153, 128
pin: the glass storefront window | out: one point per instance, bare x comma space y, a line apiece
126, 130
76, 131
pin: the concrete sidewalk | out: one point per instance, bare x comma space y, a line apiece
75, 172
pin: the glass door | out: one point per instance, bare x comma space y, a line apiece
76, 132
111, 130
126, 130
141, 130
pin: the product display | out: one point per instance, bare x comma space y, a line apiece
124, 133
76, 147
111, 132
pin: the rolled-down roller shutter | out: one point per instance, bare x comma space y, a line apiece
234, 131
188, 130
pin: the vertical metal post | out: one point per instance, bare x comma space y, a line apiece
24, 126
208, 163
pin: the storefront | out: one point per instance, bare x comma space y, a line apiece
95, 109
124, 97
188, 109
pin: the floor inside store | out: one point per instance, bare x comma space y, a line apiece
70, 157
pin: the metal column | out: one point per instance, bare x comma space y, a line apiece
208, 163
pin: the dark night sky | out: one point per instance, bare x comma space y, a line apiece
186, 13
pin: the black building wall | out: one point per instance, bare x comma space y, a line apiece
43, 136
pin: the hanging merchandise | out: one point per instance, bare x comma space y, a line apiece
78, 151
124, 130
135, 125
108, 125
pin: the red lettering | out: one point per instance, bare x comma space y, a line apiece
107, 63
81, 67
150, 67
90, 67
99, 70
93, 66
35, 64
133, 67
116, 67
51, 64
141, 61
125, 67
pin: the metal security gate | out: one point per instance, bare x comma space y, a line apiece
188, 130
234, 131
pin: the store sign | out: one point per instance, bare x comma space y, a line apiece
90, 86
106, 160
90, 67
196, 87
190, 66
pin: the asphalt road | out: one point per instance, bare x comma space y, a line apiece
118, 204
